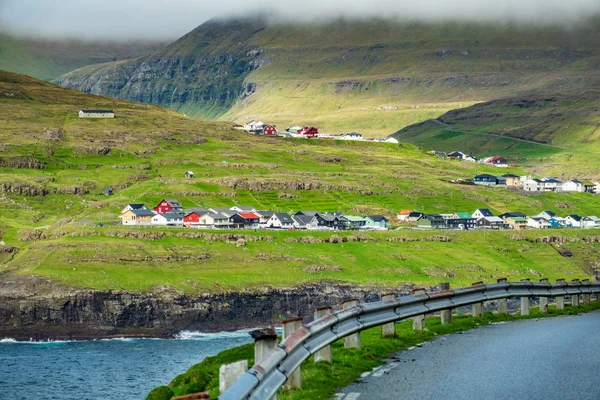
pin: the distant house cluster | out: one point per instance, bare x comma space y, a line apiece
496, 161
306, 132
484, 219
530, 184
170, 212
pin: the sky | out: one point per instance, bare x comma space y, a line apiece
170, 19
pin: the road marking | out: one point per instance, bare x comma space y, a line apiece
352, 396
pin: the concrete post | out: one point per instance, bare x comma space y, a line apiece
543, 300
477, 308
419, 320
229, 373
587, 298
445, 315
351, 341
388, 330
265, 340
323, 355
525, 303
560, 300
575, 297
502, 303
295, 379
598, 294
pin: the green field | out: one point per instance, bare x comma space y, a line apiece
51, 182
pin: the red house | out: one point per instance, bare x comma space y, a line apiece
168, 205
270, 130
192, 219
311, 132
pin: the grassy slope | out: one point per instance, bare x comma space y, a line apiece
49, 59
570, 121
321, 381
326, 74
148, 157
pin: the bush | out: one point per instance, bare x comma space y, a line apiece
160, 393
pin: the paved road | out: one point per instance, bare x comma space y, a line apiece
556, 358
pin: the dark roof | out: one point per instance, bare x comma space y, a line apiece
377, 218
243, 208
510, 176
142, 212
575, 217
97, 111
302, 219
225, 211
173, 203
172, 215
550, 213
283, 217
434, 218
312, 213
485, 212
196, 210
136, 206
264, 213
414, 214
486, 176
512, 214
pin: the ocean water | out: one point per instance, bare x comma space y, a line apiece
102, 369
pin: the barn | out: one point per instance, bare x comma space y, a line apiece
270, 130
311, 132
96, 114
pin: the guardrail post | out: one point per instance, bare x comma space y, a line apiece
324, 354
477, 308
575, 297
587, 298
560, 300
351, 341
598, 294
229, 373
295, 379
445, 315
388, 330
502, 303
419, 320
265, 340
525, 301
543, 299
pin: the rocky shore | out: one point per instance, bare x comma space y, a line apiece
39, 309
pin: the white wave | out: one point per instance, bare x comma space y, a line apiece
197, 335
8, 340
31, 341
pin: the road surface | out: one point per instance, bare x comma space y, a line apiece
554, 358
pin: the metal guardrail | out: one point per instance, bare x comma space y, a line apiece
269, 374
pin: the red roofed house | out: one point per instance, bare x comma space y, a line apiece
403, 215
168, 205
309, 132
270, 130
245, 220
192, 220
498, 161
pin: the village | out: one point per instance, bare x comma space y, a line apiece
305, 132
170, 212
531, 184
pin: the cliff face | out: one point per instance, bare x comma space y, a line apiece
56, 312
202, 73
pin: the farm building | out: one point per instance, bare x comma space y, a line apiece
96, 114
269, 130
189, 174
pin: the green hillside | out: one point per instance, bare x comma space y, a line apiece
558, 133
336, 74
48, 59
51, 182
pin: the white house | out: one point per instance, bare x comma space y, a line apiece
533, 185
597, 187
551, 184
537, 223
214, 220
96, 114
134, 206
547, 215
280, 220
573, 221
350, 136
170, 219
590, 222
573, 186
482, 212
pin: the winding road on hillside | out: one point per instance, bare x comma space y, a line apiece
453, 129
545, 359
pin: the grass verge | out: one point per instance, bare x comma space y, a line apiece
321, 381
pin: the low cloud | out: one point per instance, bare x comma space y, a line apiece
154, 19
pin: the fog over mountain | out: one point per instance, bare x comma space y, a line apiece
157, 19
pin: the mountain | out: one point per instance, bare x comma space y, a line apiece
48, 59
374, 76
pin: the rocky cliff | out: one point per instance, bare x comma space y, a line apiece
31, 307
